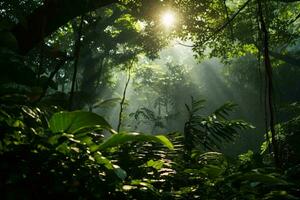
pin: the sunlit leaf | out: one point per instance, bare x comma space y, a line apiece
122, 138
73, 122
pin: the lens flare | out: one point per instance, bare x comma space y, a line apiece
168, 19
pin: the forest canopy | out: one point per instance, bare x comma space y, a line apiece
140, 99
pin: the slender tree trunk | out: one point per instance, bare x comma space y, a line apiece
269, 85
263, 85
166, 105
76, 59
159, 108
42, 48
123, 98
100, 71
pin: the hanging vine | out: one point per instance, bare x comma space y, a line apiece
269, 83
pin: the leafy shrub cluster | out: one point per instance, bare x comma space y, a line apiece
49, 154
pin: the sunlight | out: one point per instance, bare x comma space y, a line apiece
168, 19
140, 25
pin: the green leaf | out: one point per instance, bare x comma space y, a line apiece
155, 164
212, 171
143, 184
122, 138
73, 122
121, 173
99, 158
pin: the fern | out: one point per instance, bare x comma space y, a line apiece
209, 132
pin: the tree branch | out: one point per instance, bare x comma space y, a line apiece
295, 19
218, 30
227, 18
56, 13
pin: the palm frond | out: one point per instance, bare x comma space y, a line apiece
209, 132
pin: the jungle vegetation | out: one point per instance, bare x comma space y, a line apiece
150, 99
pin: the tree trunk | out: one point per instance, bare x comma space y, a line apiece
123, 99
269, 84
76, 59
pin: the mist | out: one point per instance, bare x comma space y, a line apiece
205, 80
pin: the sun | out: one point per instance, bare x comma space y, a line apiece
168, 19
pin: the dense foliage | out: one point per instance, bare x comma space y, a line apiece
95, 104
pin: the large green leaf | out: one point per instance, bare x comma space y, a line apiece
122, 138
73, 122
